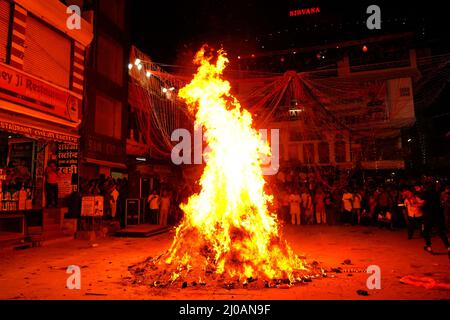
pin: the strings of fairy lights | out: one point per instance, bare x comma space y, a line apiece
267, 91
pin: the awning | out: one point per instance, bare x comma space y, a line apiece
35, 129
104, 163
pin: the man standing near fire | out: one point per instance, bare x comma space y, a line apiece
413, 205
164, 208
51, 183
307, 206
319, 201
433, 216
347, 205
153, 201
294, 207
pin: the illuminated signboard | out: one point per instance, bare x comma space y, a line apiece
38, 94
304, 11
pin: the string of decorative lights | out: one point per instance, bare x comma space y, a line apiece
380, 65
268, 91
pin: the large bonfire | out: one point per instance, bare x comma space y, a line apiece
228, 236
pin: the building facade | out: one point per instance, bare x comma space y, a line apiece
105, 110
41, 95
370, 96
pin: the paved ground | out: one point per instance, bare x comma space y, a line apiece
39, 273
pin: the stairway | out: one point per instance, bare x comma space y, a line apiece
12, 241
51, 231
142, 231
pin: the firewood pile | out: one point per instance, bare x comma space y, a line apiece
200, 272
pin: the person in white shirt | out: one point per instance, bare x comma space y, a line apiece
153, 201
294, 207
113, 201
414, 213
164, 208
357, 198
347, 204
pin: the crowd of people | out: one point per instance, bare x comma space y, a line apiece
305, 198
310, 198
162, 206
113, 191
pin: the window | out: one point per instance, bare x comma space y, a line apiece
324, 152
339, 149
293, 152
5, 11
295, 135
308, 153
110, 59
108, 117
47, 53
282, 155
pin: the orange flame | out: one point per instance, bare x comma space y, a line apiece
228, 221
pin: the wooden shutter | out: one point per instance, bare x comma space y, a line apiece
5, 14
47, 53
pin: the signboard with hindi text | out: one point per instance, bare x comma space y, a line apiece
67, 162
36, 133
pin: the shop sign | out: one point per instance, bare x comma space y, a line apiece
38, 94
67, 161
304, 12
37, 133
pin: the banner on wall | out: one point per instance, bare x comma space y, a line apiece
92, 206
67, 161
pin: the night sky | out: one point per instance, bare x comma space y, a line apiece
169, 31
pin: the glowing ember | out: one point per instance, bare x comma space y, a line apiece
228, 233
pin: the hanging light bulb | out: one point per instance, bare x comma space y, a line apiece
137, 62
172, 88
164, 90
148, 74
130, 66
139, 66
